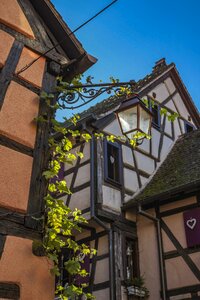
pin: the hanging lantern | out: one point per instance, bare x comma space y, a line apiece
134, 118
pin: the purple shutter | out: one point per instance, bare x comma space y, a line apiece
60, 174
61, 171
192, 227
86, 266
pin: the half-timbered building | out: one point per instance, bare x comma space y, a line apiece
137, 200
31, 57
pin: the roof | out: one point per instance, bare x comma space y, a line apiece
179, 172
71, 46
142, 87
112, 102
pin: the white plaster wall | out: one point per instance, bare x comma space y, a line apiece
145, 146
144, 162
83, 175
86, 152
103, 247
80, 199
161, 92
170, 85
130, 180
102, 294
167, 143
143, 180
171, 105
168, 127
155, 141
111, 198
177, 131
181, 106
127, 155
102, 271
68, 179
182, 125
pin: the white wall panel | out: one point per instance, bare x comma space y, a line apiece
83, 175
170, 85
130, 180
181, 106
127, 155
155, 141
161, 92
167, 143
111, 198
80, 200
102, 271
144, 162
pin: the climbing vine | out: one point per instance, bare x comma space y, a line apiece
61, 223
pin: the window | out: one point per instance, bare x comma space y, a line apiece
188, 127
131, 263
155, 110
65, 278
156, 116
113, 163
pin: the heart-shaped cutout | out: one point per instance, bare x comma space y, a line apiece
191, 223
112, 160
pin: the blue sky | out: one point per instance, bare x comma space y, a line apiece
131, 35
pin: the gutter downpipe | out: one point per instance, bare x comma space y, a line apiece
95, 218
159, 240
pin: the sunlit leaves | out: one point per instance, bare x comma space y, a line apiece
72, 266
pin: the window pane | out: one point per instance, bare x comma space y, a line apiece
128, 119
131, 259
144, 121
188, 127
113, 162
156, 115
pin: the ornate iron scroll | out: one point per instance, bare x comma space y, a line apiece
76, 96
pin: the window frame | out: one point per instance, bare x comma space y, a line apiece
136, 272
186, 123
155, 125
64, 277
119, 161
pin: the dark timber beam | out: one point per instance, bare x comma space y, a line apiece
2, 243
5, 141
184, 290
9, 69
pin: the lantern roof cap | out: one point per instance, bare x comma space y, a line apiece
130, 102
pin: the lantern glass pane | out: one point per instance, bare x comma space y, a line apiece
144, 120
128, 119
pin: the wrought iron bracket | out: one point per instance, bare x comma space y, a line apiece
79, 95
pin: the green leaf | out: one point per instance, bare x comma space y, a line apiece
72, 266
